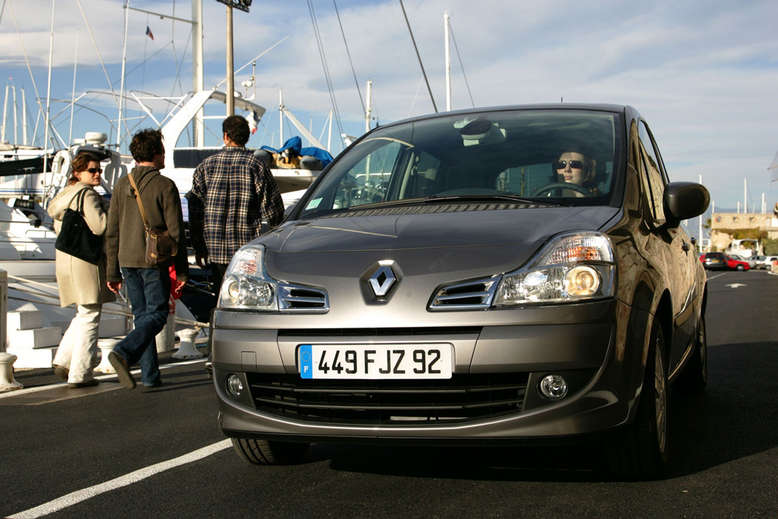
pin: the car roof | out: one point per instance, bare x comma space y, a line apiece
596, 107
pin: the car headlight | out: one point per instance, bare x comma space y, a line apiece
246, 285
572, 267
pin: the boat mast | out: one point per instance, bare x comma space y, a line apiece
73, 95
745, 195
368, 105
121, 87
48, 91
448, 60
280, 118
5, 112
198, 81
16, 121
24, 118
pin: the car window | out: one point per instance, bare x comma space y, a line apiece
655, 178
548, 155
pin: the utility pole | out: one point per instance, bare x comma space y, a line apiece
243, 5
230, 66
699, 229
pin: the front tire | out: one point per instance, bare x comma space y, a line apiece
740, 267
269, 452
643, 450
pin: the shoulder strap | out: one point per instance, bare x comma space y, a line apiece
80, 202
137, 199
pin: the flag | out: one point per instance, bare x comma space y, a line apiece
149, 33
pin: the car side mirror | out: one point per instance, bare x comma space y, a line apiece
683, 200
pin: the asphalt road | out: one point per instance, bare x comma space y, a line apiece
57, 442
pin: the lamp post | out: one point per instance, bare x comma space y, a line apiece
243, 5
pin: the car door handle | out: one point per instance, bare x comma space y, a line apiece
685, 247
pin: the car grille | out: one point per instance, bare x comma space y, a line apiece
468, 295
295, 298
389, 402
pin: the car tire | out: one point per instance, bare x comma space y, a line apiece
268, 452
740, 267
642, 452
695, 374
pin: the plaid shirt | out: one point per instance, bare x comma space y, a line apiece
232, 193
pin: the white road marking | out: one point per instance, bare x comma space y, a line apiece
25, 391
716, 276
122, 481
735, 285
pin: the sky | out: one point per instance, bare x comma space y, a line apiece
703, 73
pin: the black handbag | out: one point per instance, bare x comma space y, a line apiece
75, 237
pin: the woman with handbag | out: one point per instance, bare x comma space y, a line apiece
80, 216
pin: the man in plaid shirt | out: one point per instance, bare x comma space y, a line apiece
232, 193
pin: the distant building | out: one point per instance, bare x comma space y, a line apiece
724, 225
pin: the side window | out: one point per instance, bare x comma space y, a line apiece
655, 178
366, 182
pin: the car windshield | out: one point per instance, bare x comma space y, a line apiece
566, 157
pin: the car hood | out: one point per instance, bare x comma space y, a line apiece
471, 242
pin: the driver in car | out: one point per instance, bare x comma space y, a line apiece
573, 167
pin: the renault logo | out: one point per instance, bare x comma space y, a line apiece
382, 280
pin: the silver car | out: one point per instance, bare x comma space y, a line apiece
495, 275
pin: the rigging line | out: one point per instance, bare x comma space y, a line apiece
29, 68
348, 53
418, 56
323, 58
180, 63
97, 49
461, 65
136, 67
2, 10
145, 49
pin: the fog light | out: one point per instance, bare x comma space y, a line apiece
234, 385
553, 387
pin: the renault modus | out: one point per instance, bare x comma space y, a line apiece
488, 276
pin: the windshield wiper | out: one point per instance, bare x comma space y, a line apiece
485, 197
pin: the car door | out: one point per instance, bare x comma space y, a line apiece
676, 250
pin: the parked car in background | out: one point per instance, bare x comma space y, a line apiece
765, 262
721, 261
487, 276
737, 262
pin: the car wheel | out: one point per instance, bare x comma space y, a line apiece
268, 452
695, 375
740, 267
643, 450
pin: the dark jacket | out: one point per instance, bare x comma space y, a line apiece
125, 237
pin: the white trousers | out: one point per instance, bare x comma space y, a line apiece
78, 348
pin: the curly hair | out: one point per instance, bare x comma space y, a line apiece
81, 163
145, 144
237, 129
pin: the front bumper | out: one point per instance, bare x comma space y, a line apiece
583, 342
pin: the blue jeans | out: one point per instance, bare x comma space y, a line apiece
149, 292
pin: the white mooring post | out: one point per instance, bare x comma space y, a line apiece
186, 348
7, 382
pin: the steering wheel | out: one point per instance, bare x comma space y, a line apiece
562, 185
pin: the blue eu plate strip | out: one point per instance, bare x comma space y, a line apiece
306, 361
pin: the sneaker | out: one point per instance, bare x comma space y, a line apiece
151, 387
86, 383
120, 365
61, 371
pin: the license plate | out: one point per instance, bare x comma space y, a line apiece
376, 361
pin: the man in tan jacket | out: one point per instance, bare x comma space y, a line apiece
148, 286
